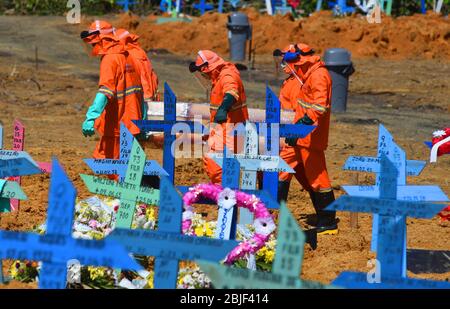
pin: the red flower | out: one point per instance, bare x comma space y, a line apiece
445, 214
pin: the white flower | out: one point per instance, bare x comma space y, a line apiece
439, 133
149, 225
187, 215
227, 198
264, 226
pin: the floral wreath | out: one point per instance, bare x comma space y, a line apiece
226, 199
438, 137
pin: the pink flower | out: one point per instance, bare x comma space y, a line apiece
93, 224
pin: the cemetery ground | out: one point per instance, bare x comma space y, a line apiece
51, 95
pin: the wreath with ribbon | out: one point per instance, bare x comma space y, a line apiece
439, 136
227, 198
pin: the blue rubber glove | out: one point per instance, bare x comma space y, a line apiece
94, 111
292, 141
222, 111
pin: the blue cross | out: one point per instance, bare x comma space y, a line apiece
57, 246
119, 167
13, 163
167, 244
126, 4
273, 115
203, 7
372, 165
392, 200
170, 119
251, 162
340, 7
227, 219
286, 266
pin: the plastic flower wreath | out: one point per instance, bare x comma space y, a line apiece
226, 199
439, 136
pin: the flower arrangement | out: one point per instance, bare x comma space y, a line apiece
191, 277
95, 219
439, 136
24, 271
226, 199
445, 214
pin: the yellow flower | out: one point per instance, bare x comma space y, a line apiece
261, 252
150, 213
150, 281
269, 256
96, 272
199, 231
13, 271
180, 280
208, 231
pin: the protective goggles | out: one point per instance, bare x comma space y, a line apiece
290, 56
197, 68
90, 40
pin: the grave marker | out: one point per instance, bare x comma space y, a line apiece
119, 167
166, 125
167, 244
57, 246
387, 146
273, 114
391, 245
286, 266
19, 145
129, 192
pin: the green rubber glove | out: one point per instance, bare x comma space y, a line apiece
94, 111
145, 108
292, 141
222, 111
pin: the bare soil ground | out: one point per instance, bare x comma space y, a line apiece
410, 97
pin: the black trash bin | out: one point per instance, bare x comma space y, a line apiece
339, 64
239, 31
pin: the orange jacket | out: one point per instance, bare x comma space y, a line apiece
149, 79
120, 82
226, 79
313, 99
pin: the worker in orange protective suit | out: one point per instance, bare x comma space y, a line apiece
307, 90
149, 79
227, 106
149, 82
119, 97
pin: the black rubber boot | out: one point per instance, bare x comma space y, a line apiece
326, 220
283, 190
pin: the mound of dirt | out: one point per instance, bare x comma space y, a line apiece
418, 36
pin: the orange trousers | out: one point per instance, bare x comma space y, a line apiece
219, 136
108, 147
310, 168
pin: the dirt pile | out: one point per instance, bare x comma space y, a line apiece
407, 37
